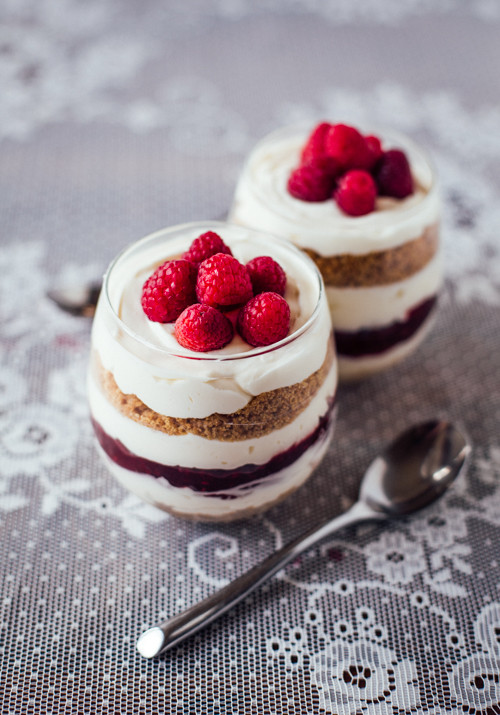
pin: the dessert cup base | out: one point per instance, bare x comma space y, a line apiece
157, 491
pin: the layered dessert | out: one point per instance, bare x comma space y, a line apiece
213, 371
365, 207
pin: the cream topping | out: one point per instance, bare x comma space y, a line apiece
263, 201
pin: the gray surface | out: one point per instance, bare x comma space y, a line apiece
117, 119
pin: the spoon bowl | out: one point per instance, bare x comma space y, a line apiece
411, 473
415, 469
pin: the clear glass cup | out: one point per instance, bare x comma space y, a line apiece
382, 271
218, 435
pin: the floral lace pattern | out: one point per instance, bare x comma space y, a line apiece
384, 620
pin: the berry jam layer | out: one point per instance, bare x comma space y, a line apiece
213, 481
375, 341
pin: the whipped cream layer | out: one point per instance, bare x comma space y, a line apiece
147, 361
263, 201
378, 306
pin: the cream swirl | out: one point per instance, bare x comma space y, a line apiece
263, 201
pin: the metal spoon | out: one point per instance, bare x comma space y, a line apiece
79, 300
411, 473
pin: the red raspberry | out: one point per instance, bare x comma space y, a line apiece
223, 282
393, 175
206, 245
348, 147
375, 149
266, 275
356, 193
310, 182
327, 165
314, 147
202, 328
264, 320
169, 290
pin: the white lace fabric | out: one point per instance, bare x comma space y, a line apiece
118, 119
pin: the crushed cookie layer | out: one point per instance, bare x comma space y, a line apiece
378, 268
264, 414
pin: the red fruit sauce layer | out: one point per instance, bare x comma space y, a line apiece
210, 480
375, 341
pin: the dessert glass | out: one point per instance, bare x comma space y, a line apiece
220, 435
382, 271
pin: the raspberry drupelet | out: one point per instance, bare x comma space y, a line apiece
266, 275
202, 328
356, 193
169, 290
264, 320
223, 282
206, 245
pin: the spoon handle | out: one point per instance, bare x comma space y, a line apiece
176, 629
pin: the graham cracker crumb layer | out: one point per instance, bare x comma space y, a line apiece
378, 267
264, 413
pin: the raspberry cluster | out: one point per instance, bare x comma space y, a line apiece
340, 163
209, 294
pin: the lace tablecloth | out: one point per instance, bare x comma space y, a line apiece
119, 118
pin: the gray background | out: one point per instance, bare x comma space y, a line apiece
117, 119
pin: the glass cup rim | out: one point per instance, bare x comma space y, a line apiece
207, 226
